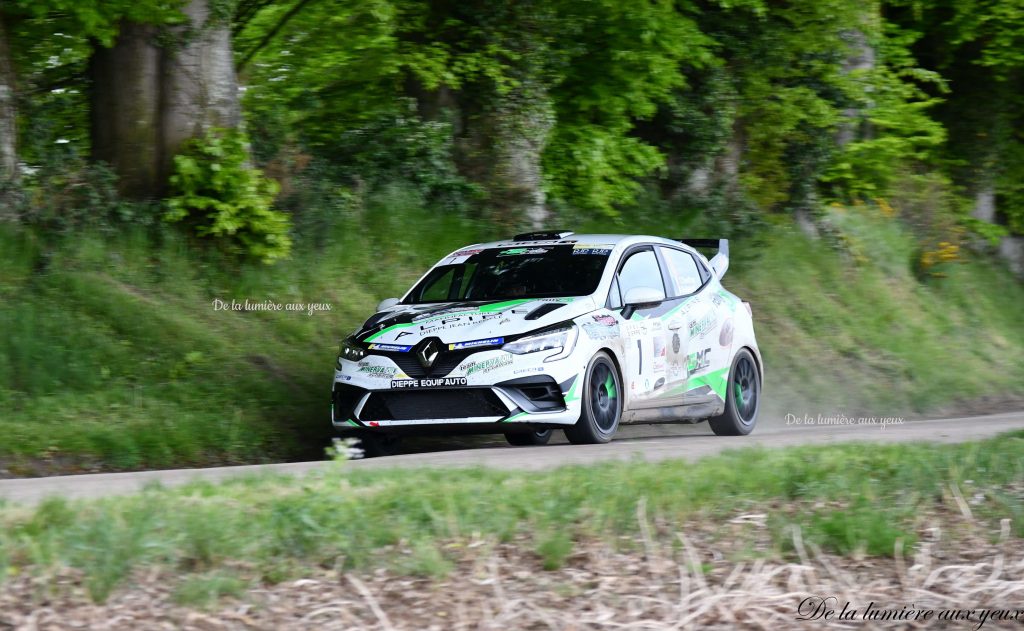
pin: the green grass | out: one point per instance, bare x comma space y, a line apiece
202, 591
850, 498
113, 357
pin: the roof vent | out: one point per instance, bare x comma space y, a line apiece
542, 236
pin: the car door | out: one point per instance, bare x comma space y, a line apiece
691, 326
645, 368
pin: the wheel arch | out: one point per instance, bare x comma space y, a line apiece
622, 377
758, 362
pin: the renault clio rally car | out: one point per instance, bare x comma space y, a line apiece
554, 330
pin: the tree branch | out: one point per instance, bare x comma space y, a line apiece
270, 34
245, 12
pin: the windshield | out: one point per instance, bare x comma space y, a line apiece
542, 271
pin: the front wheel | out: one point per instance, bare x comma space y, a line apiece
527, 439
742, 398
602, 403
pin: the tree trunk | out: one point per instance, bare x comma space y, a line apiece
200, 89
125, 110
8, 113
861, 59
501, 148
524, 119
149, 99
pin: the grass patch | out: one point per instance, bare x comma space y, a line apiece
203, 591
849, 499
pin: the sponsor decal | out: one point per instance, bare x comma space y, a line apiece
378, 372
725, 337
487, 365
658, 364
700, 328
442, 314
638, 328
523, 371
390, 348
467, 252
591, 248
599, 331
675, 343
437, 382
724, 297
491, 341
696, 362
605, 320
522, 251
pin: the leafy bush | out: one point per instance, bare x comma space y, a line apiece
221, 196
400, 146
67, 195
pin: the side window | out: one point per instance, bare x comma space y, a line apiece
682, 269
614, 297
705, 273
640, 270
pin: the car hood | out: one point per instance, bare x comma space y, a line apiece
468, 322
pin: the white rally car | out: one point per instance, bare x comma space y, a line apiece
553, 330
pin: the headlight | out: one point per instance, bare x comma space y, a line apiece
350, 351
556, 339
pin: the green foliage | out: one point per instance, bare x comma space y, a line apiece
221, 196
897, 126
976, 47
401, 146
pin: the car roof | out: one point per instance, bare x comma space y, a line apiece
614, 240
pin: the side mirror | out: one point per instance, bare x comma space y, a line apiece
643, 296
387, 303
638, 296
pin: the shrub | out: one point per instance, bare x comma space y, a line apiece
221, 196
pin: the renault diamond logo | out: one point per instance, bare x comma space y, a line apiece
428, 354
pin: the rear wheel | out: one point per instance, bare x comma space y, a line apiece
742, 398
526, 439
602, 403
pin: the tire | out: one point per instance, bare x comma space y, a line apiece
742, 398
527, 439
375, 445
602, 403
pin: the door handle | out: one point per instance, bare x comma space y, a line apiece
675, 325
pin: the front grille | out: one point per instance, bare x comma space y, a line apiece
441, 404
445, 363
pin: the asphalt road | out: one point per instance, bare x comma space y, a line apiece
651, 442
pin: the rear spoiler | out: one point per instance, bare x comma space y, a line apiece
720, 261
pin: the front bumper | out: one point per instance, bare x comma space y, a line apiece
371, 394
536, 400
